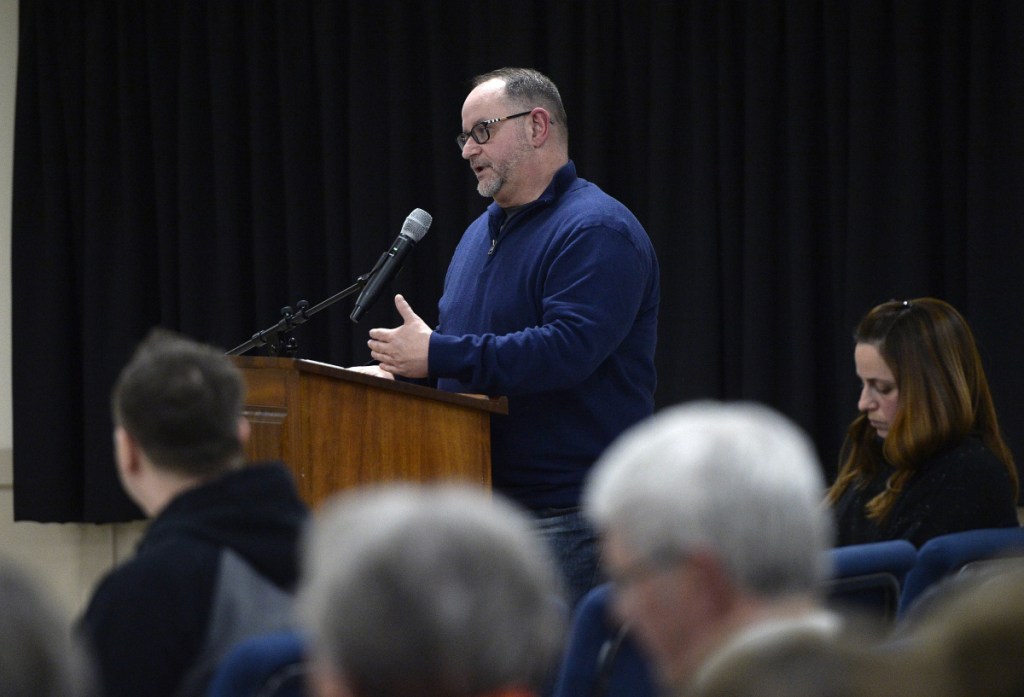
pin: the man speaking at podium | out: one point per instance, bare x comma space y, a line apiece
551, 299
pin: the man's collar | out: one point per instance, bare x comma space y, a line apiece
563, 179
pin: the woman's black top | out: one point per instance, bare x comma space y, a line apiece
963, 488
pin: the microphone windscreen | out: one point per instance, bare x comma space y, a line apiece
417, 224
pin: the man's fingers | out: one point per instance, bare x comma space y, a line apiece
405, 309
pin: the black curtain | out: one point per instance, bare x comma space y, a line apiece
199, 165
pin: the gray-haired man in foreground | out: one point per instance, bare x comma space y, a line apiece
713, 533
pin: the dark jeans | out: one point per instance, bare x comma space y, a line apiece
574, 545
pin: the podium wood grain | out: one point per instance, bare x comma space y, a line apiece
336, 428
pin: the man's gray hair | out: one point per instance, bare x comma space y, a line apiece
738, 480
431, 590
528, 88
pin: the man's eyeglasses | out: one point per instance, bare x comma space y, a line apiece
644, 568
480, 133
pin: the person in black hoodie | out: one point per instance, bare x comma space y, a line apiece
220, 559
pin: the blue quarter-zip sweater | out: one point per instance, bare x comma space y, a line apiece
556, 309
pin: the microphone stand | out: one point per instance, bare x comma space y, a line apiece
272, 336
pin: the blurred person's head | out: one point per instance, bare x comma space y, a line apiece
711, 520
971, 627
177, 409
39, 657
439, 591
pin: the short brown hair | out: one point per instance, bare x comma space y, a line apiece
181, 401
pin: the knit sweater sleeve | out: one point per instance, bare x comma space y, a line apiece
592, 291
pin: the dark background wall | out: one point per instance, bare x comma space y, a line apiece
200, 165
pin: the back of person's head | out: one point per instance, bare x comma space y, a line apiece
972, 629
436, 591
38, 655
527, 88
739, 480
181, 401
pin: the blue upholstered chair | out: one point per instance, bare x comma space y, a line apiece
267, 665
943, 556
868, 578
601, 659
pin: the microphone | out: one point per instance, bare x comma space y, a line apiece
413, 230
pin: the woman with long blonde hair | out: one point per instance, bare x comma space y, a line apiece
925, 456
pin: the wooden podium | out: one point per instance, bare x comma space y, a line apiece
337, 428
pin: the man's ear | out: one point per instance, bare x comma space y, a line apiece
244, 431
719, 588
128, 455
540, 126
126, 452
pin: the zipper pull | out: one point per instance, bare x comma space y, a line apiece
494, 243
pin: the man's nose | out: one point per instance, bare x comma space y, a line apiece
470, 148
